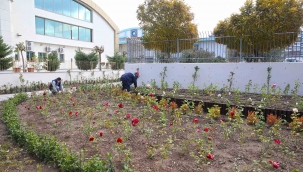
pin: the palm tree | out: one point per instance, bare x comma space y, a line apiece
99, 50
20, 47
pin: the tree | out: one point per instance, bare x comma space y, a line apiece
99, 50
86, 61
262, 26
20, 47
164, 22
5, 50
118, 60
52, 62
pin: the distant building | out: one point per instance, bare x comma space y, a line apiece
209, 44
134, 32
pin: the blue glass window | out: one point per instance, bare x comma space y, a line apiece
49, 28
58, 29
16, 55
81, 12
61, 58
66, 31
74, 9
66, 7
75, 32
39, 25
88, 35
87, 15
82, 32
39, 4
58, 6
42, 55
48, 5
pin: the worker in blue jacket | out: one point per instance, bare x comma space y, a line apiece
128, 79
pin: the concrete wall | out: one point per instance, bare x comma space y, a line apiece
46, 77
218, 73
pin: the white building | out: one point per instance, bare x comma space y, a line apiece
57, 25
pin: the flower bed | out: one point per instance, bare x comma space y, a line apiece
132, 132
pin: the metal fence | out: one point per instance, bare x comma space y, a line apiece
280, 47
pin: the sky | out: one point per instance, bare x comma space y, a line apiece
207, 12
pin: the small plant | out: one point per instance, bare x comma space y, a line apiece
268, 78
252, 119
248, 86
272, 119
214, 112
195, 75
164, 84
199, 109
230, 80
286, 89
194, 90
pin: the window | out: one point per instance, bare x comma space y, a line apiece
82, 32
66, 31
16, 55
30, 55
49, 27
39, 4
74, 9
48, 5
87, 15
75, 32
61, 58
81, 12
88, 35
58, 6
42, 55
66, 7
39, 25
58, 29
62, 30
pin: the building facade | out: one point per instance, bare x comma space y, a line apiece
58, 26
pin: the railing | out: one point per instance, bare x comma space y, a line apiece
283, 47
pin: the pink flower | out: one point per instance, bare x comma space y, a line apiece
275, 164
77, 113
156, 108
198, 130
274, 85
106, 104
128, 115
171, 123
196, 120
210, 156
277, 141
57, 121
221, 121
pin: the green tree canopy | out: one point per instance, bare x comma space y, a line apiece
53, 62
165, 21
5, 50
263, 25
86, 61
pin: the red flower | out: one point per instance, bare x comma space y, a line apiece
128, 115
120, 105
57, 121
106, 104
196, 120
94, 122
44, 99
135, 121
232, 113
171, 123
28, 108
40, 107
91, 139
44, 93
70, 113
71, 98
210, 156
119, 140
209, 138
77, 113
277, 141
101, 134
156, 108
275, 165
74, 104
205, 129
151, 95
